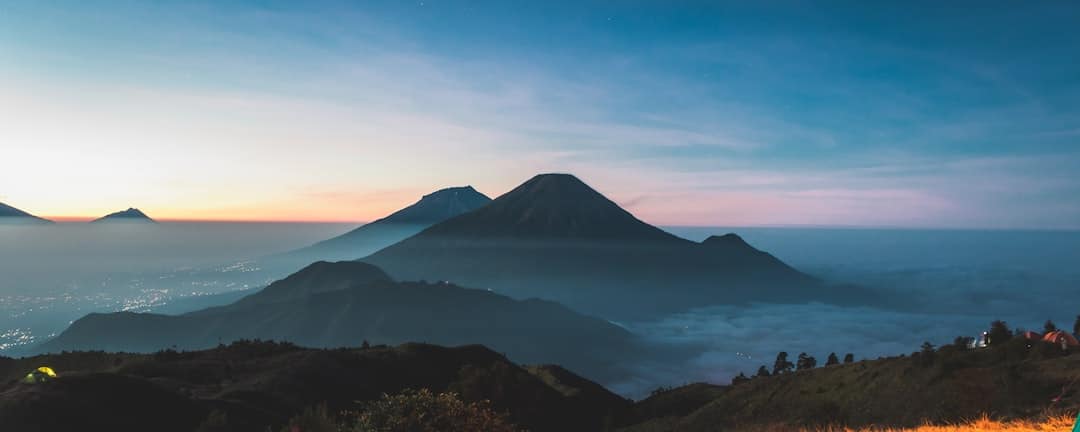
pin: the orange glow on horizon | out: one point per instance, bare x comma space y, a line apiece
82, 219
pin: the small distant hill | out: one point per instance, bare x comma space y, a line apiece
12, 215
344, 303
554, 237
258, 386
129, 215
360, 242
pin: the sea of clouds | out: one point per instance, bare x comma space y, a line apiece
940, 284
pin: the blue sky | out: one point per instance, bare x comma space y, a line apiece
700, 113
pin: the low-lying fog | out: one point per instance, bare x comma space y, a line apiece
52, 274
952, 282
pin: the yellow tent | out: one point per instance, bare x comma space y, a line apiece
40, 375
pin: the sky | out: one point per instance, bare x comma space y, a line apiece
687, 113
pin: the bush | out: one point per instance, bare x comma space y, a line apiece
424, 411
408, 411
315, 419
782, 365
832, 360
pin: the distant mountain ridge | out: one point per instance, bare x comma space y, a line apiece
130, 215
554, 237
357, 243
340, 304
432, 208
9, 214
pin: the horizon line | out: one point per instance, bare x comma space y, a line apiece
84, 219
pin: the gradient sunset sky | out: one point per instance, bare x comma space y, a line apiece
686, 113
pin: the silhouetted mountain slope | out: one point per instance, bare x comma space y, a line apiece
11, 215
129, 215
360, 242
260, 385
555, 237
553, 206
342, 304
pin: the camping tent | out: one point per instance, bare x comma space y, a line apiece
40, 375
1062, 338
1030, 335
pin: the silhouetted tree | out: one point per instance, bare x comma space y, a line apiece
762, 372
999, 333
1076, 326
849, 358
739, 379
1049, 327
782, 365
963, 341
805, 362
365, 345
926, 354
832, 360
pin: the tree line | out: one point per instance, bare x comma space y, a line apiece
998, 334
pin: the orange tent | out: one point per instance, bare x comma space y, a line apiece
1062, 338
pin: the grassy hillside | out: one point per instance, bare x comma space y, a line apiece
1014, 386
259, 385
950, 385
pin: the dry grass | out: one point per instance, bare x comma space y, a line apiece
1054, 424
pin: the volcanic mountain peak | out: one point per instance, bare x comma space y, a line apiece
728, 240
551, 206
130, 215
439, 206
9, 214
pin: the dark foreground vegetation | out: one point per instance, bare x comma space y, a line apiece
266, 386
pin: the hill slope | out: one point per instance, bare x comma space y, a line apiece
555, 237
12, 215
260, 385
342, 304
952, 385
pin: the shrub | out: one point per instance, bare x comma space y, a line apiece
424, 411
782, 365
832, 360
805, 361
315, 419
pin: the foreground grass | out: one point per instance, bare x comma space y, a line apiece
1062, 424
1055, 424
